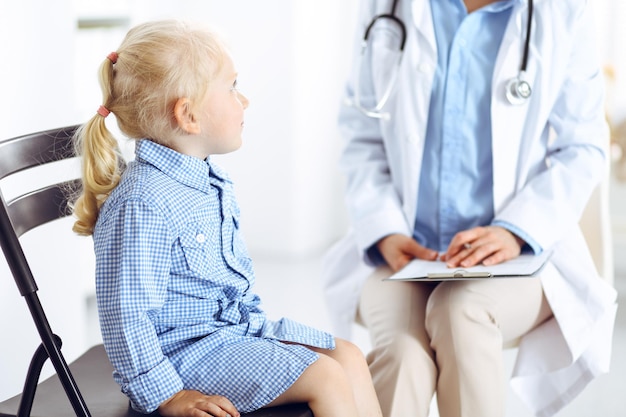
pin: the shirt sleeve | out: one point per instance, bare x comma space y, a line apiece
373, 257
133, 257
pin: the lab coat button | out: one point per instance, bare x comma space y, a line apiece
200, 238
424, 68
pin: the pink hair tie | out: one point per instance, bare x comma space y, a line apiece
103, 111
112, 57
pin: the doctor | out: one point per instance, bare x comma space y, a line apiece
486, 141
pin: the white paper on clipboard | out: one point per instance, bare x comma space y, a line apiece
525, 265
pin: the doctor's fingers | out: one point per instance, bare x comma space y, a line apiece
408, 251
414, 250
466, 241
506, 240
487, 252
398, 244
461, 245
508, 248
399, 250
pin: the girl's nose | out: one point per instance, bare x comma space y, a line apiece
244, 101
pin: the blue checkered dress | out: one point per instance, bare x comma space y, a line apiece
173, 282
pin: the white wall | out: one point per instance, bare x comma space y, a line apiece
36, 66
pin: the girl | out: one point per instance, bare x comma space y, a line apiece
179, 322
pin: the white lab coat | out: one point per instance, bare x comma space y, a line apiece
548, 156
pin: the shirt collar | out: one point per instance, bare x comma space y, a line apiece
501, 5
495, 7
188, 170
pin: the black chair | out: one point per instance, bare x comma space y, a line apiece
87, 382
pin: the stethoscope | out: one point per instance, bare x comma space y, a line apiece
517, 90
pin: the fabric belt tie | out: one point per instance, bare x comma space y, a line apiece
234, 312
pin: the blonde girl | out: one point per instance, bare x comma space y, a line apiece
179, 321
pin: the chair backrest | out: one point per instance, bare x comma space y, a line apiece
595, 224
27, 211
596, 227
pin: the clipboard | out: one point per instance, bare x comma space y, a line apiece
525, 265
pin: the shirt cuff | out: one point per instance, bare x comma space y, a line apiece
373, 257
148, 391
530, 246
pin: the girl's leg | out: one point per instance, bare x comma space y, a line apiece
325, 386
337, 384
351, 359
468, 323
401, 361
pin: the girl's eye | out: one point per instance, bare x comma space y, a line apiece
234, 87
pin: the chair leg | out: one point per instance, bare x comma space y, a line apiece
32, 378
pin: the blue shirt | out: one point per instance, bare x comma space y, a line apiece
173, 284
456, 180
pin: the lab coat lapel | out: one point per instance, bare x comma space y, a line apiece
419, 64
507, 120
423, 22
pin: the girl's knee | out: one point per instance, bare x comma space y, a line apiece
323, 385
330, 377
345, 348
349, 356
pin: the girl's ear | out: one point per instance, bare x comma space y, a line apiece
184, 116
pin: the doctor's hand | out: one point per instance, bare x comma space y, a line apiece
488, 245
189, 403
398, 250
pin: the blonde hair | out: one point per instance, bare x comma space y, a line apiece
157, 64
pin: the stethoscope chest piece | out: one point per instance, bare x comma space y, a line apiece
518, 91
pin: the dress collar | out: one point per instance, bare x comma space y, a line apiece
189, 170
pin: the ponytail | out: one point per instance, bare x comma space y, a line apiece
101, 161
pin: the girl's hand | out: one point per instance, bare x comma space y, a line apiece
188, 403
398, 250
488, 245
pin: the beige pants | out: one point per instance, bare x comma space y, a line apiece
445, 338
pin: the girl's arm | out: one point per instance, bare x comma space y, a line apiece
133, 251
188, 403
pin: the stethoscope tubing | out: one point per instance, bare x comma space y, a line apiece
527, 40
518, 90
392, 16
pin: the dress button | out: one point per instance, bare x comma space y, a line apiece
200, 238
